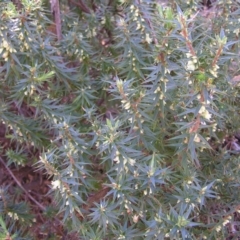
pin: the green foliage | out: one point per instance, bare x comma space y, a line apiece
143, 92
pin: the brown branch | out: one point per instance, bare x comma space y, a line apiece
218, 54
81, 5
55, 8
18, 4
96, 198
20, 185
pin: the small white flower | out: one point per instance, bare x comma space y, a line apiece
207, 115
135, 218
226, 222
196, 138
213, 72
148, 39
56, 184
189, 182
218, 228
190, 66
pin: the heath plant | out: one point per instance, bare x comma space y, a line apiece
132, 116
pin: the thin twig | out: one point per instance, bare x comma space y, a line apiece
81, 5
20, 185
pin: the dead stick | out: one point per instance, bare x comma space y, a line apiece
58, 23
20, 185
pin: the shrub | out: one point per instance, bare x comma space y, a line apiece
132, 116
